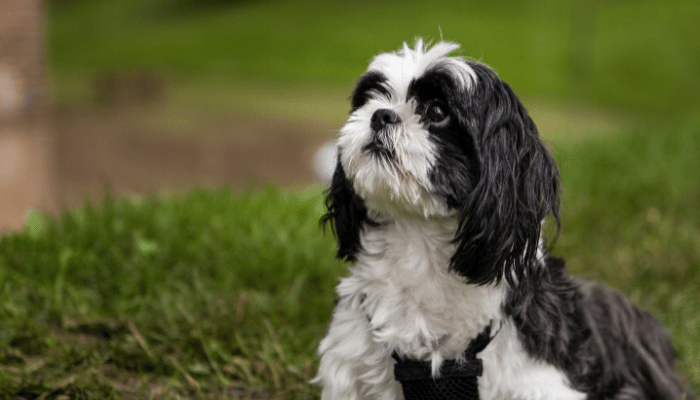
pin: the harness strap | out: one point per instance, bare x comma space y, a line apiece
457, 380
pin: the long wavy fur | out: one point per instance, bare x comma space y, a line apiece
607, 347
517, 187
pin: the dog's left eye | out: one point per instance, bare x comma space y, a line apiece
435, 112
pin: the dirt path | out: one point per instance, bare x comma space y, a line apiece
116, 148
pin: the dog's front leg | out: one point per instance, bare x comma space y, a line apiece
354, 366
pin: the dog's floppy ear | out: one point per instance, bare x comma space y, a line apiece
518, 186
346, 214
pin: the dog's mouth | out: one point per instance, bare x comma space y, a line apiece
380, 145
377, 149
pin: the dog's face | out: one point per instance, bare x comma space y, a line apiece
404, 147
442, 136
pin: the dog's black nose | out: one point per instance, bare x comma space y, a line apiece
383, 117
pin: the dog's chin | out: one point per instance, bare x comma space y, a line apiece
388, 190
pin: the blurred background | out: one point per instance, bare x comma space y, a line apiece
155, 96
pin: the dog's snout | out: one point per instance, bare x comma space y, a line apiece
383, 117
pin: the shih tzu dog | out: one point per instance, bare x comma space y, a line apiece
438, 202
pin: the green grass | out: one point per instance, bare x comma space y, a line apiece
196, 293
188, 296
631, 55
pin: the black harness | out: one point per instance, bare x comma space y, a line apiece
457, 380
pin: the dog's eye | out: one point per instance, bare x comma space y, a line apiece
435, 112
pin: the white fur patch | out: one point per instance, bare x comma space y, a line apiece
385, 186
407, 64
417, 307
510, 373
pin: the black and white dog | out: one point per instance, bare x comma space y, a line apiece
438, 201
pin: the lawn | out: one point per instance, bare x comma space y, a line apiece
629, 55
196, 294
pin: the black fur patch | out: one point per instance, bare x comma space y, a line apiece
346, 214
370, 84
456, 168
606, 346
516, 188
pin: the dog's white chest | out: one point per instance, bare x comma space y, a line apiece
415, 306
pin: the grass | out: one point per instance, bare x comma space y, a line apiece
195, 294
629, 55
219, 293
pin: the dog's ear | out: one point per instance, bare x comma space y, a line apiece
346, 214
518, 186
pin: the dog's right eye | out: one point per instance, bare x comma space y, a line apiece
435, 112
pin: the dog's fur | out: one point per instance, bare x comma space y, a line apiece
438, 201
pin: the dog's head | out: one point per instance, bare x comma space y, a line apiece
441, 136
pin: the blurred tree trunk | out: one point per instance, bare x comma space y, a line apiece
26, 143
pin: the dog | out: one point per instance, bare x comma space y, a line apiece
445, 202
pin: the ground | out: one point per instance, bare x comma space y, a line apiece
116, 148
